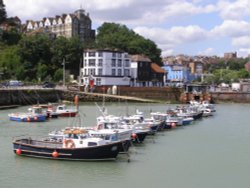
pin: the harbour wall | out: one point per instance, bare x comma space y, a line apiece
35, 96
41, 96
237, 97
28, 97
154, 93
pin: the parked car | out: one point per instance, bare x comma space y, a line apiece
48, 85
14, 83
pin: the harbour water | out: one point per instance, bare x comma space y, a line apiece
211, 153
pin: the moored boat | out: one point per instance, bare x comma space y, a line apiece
74, 146
34, 114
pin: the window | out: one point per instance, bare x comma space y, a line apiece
113, 64
92, 62
119, 72
85, 71
91, 71
100, 72
92, 144
100, 54
126, 72
98, 81
119, 55
127, 64
100, 61
119, 63
113, 54
113, 72
91, 54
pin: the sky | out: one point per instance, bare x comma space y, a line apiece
189, 27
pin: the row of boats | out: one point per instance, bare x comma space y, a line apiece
40, 113
111, 135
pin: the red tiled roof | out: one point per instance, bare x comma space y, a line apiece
156, 68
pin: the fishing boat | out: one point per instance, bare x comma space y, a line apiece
63, 110
34, 114
139, 132
110, 135
74, 145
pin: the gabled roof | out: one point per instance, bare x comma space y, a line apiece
156, 68
141, 58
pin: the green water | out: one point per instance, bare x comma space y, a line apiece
211, 153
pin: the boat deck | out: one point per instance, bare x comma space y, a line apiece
46, 143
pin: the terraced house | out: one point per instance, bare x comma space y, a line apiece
67, 25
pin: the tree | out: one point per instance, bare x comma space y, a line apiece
58, 76
42, 71
3, 14
116, 36
9, 62
34, 50
11, 37
69, 50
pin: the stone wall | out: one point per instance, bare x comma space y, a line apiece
155, 93
238, 97
28, 97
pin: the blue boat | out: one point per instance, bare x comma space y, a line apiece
34, 114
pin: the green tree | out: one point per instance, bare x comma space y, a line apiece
242, 73
34, 50
116, 36
42, 71
3, 14
58, 76
11, 37
69, 50
9, 62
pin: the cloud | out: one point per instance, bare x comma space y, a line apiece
138, 12
234, 10
207, 52
156, 19
243, 52
231, 28
168, 39
173, 36
243, 41
37, 9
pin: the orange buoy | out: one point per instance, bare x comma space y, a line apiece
55, 154
28, 119
134, 136
35, 118
173, 124
18, 151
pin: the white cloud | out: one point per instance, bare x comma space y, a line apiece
234, 10
231, 28
243, 41
243, 52
168, 52
168, 39
207, 52
173, 36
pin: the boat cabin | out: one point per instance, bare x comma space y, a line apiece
35, 110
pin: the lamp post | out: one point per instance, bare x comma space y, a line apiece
63, 73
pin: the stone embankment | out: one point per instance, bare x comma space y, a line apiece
237, 97
22, 96
10, 97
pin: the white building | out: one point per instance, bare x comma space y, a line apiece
105, 68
